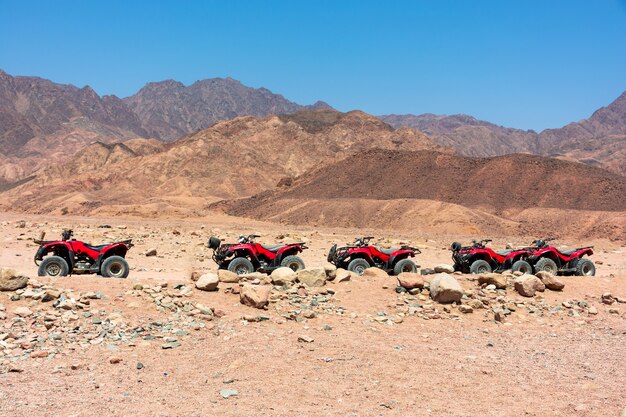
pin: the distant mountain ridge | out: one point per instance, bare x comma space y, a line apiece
599, 140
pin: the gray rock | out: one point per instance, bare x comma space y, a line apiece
208, 282
445, 289
11, 280
226, 393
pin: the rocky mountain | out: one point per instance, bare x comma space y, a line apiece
32, 107
599, 140
234, 158
43, 123
169, 109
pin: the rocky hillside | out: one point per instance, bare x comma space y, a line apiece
235, 158
599, 140
428, 190
169, 109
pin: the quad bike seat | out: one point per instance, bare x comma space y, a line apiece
568, 252
97, 247
272, 248
387, 251
504, 252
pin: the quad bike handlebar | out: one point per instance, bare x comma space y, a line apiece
362, 241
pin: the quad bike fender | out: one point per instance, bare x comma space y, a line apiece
118, 249
582, 252
545, 253
61, 249
362, 253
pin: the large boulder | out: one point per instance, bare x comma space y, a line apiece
550, 281
227, 276
498, 280
283, 276
448, 269
11, 280
445, 289
409, 280
208, 282
314, 277
255, 296
374, 272
527, 285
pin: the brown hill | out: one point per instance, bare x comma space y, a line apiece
435, 191
231, 159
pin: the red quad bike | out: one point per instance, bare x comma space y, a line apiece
361, 255
561, 262
479, 259
70, 256
247, 256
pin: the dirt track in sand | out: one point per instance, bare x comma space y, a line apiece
553, 364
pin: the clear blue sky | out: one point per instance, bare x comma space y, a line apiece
526, 64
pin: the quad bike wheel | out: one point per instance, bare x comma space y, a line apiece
293, 262
585, 267
522, 266
114, 267
358, 266
53, 266
547, 265
241, 266
404, 265
480, 266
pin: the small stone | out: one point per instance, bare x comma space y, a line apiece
498, 280
527, 285
550, 281
23, 312
227, 276
309, 314
448, 269
39, 354
331, 271
305, 339
592, 310
445, 289
410, 280
115, 359
139, 365
256, 296
208, 282
151, 252
463, 308
341, 275
195, 275
226, 393
314, 277
374, 272
283, 276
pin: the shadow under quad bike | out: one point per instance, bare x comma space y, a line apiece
71, 256
480, 259
547, 258
247, 256
361, 255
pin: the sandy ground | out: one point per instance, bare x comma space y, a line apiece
553, 364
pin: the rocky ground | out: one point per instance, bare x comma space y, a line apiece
322, 342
